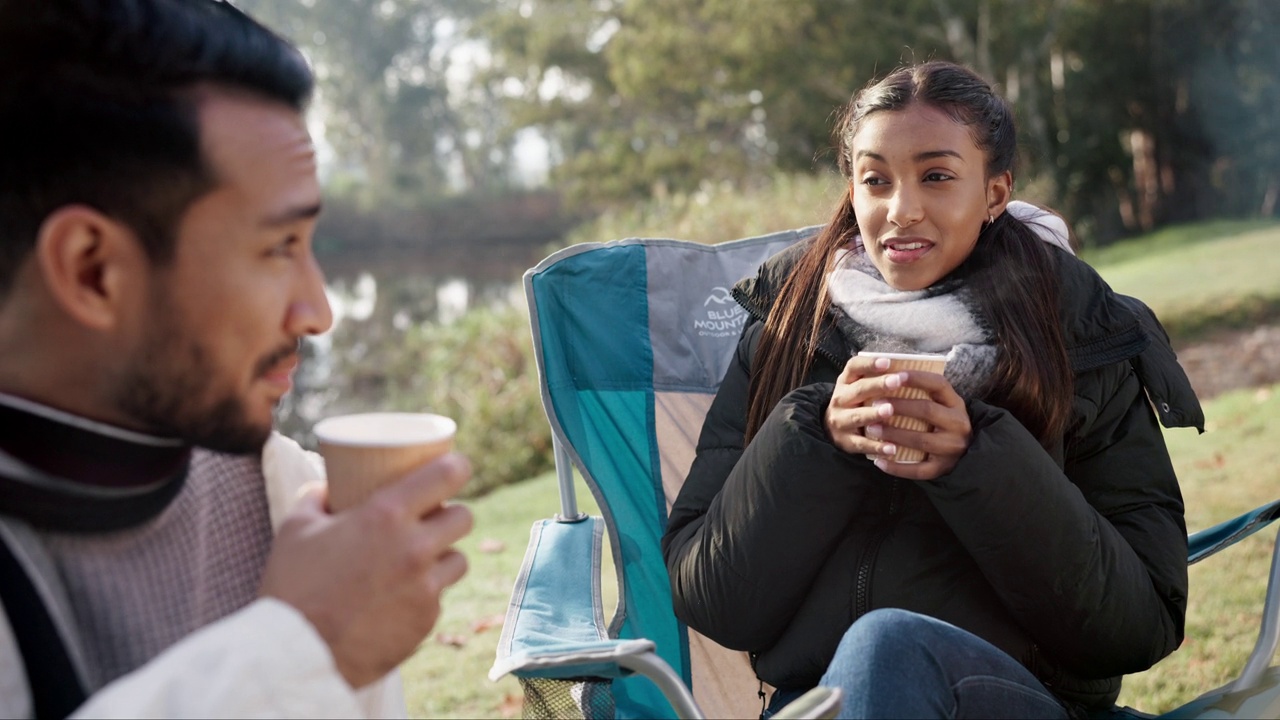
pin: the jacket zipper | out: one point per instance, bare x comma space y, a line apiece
746, 304
862, 591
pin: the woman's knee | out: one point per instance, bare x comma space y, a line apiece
887, 625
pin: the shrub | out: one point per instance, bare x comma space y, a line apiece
478, 370
481, 371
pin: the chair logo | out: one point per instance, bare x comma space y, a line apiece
724, 317
719, 296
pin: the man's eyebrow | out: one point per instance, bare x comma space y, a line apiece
919, 157
293, 214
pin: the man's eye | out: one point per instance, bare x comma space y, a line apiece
284, 248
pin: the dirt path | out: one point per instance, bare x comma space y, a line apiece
1231, 360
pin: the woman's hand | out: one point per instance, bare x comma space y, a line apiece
857, 418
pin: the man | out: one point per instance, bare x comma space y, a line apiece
158, 196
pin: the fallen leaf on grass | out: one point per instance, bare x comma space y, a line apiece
1217, 461
487, 623
511, 706
451, 640
491, 546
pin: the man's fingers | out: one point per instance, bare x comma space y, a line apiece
449, 569
444, 527
426, 488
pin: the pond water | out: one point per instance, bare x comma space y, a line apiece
376, 300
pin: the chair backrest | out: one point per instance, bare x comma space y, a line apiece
633, 338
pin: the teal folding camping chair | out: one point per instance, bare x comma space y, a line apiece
632, 338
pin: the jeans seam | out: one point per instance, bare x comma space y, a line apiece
1006, 684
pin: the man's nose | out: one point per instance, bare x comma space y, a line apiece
309, 312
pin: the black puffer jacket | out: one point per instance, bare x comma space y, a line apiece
1073, 562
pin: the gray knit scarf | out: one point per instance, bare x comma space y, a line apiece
941, 318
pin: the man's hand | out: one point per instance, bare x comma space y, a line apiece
370, 578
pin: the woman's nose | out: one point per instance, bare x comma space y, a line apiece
905, 208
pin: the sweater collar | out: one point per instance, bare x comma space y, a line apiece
63, 472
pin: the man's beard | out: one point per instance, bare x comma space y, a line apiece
174, 391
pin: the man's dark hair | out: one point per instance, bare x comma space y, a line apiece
97, 108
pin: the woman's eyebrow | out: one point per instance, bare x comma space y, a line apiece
919, 157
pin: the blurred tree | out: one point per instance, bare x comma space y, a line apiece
1134, 113
399, 131
1171, 112
640, 98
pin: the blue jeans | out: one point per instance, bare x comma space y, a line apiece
899, 664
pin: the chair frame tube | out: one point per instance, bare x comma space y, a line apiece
662, 675
1269, 635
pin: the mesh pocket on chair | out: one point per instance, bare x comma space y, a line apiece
546, 699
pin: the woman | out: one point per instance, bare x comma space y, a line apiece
1038, 553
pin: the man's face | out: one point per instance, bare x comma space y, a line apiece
219, 342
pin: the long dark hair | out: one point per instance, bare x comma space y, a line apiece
1011, 273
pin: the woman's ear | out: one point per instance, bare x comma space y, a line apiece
90, 263
999, 193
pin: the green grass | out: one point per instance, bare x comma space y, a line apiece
1200, 278
1232, 468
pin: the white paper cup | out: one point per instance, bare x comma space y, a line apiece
367, 451
899, 362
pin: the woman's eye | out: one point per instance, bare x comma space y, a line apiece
874, 181
936, 177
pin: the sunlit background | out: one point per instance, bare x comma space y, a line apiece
463, 140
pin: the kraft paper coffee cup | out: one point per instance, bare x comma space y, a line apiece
367, 451
899, 362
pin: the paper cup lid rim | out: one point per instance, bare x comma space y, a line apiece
903, 356
444, 427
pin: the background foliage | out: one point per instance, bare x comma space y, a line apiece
1134, 113
483, 129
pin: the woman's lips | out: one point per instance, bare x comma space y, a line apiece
906, 250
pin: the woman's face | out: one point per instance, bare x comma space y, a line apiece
920, 193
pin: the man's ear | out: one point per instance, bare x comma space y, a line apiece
89, 263
999, 193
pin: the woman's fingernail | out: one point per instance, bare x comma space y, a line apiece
893, 381
882, 363
882, 463
889, 449
884, 410
874, 431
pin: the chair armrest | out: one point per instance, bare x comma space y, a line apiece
555, 607
820, 703
1202, 544
555, 627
